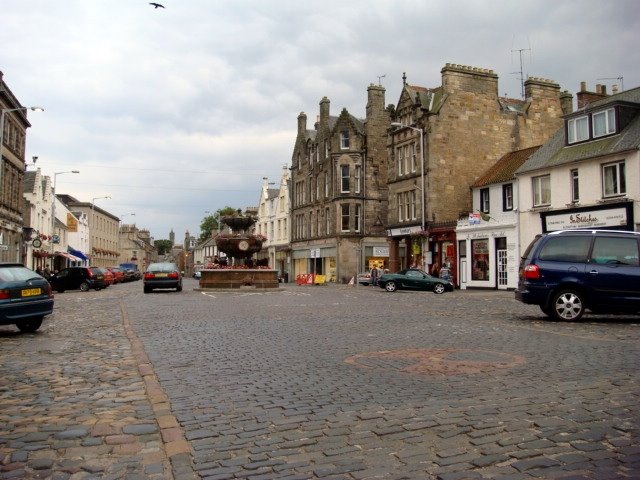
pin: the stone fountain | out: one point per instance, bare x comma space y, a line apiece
239, 246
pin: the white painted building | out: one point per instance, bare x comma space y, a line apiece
488, 252
273, 222
588, 174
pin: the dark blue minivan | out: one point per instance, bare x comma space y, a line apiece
569, 271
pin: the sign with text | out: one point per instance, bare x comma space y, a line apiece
72, 223
614, 217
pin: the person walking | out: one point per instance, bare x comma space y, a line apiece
374, 277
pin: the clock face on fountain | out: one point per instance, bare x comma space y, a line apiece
243, 245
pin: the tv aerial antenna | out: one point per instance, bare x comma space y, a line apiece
521, 72
620, 79
380, 77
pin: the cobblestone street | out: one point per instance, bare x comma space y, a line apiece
331, 382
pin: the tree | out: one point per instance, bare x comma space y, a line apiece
163, 246
210, 224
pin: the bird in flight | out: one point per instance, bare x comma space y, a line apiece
156, 5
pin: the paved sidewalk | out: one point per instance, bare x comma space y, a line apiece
82, 401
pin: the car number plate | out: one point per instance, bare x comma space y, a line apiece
162, 274
30, 292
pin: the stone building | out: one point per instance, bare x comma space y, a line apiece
14, 124
339, 191
103, 231
442, 140
136, 246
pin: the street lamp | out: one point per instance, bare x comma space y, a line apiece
91, 233
422, 221
53, 206
2, 112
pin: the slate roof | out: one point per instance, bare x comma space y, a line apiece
272, 193
556, 152
29, 181
504, 169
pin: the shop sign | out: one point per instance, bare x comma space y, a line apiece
614, 217
72, 223
396, 232
314, 253
380, 251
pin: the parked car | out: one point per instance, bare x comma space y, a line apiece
25, 297
109, 279
162, 275
364, 278
567, 272
414, 279
129, 275
118, 274
73, 278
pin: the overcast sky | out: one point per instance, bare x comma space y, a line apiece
176, 111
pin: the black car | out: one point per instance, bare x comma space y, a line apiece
567, 272
162, 275
25, 297
74, 278
414, 279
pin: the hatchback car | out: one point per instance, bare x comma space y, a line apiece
162, 275
414, 279
118, 274
567, 272
109, 279
25, 297
73, 278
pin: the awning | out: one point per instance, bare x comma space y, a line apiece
68, 256
77, 253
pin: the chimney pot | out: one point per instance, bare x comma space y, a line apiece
583, 86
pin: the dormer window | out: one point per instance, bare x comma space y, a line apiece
592, 126
578, 129
604, 123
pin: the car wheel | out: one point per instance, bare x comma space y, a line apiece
438, 288
84, 287
390, 286
147, 290
60, 290
567, 305
179, 288
30, 325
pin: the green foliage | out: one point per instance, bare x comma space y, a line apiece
209, 225
163, 246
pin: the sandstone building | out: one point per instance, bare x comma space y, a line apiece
339, 191
442, 140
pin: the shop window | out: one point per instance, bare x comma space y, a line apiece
480, 259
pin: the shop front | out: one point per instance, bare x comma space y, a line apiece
487, 253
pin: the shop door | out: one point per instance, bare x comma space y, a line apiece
501, 256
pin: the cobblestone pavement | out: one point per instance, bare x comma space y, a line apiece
330, 382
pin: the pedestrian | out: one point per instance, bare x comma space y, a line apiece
39, 271
47, 272
374, 277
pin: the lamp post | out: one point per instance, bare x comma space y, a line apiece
91, 233
422, 202
53, 206
2, 113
